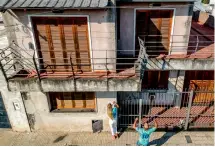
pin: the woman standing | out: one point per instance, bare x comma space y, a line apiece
112, 115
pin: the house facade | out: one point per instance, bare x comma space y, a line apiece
65, 60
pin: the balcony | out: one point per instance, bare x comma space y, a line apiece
24, 71
107, 70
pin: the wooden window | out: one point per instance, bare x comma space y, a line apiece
155, 80
156, 26
72, 101
58, 39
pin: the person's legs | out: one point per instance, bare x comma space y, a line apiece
137, 143
112, 128
115, 128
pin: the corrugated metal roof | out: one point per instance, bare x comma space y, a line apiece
155, 0
17, 4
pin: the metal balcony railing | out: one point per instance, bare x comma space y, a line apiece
16, 62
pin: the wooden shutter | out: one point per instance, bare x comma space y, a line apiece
79, 100
83, 43
59, 100
68, 102
205, 88
165, 28
90, 100
59, 37
76, 100
157, 24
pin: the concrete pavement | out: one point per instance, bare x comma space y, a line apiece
9, 138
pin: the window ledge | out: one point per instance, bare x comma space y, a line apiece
72, 110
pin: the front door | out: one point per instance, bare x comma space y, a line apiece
4, 121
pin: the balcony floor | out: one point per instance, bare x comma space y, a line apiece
127, 73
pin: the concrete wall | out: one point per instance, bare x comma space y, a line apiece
180, 64
181, 26
71, 85
17, 118
176, 80
102, 32
37, 106
176, 83
3, 36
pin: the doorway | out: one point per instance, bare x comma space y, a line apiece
4, 121
154, 27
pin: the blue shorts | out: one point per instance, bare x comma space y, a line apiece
139, 144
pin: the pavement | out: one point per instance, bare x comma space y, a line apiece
194, 138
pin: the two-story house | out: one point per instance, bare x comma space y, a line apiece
66, 59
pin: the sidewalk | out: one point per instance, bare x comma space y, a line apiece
9, 138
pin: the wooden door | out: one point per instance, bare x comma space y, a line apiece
156, 26
58, 39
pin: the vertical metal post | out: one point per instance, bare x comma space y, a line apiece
35, 64
3, 72
140, 108
188, 109
106, 64
92, 60
106, 71
197, 44
73, 74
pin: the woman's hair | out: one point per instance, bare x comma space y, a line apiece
109, 111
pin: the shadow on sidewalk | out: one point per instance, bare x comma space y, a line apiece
60, 138
163, 139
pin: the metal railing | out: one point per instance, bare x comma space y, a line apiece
18, 62
175, 110
175, 44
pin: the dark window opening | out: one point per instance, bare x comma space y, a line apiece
155, 80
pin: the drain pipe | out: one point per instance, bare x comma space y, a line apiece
23, 101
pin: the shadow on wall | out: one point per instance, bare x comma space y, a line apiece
204, 18
151, 31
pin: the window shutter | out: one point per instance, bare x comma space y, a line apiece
57, 38
202, 86
90, 100
78, 98
157, 24
67, 96
59, 100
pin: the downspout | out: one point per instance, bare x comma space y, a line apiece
28, 119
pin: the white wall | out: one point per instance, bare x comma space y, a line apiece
38, 105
